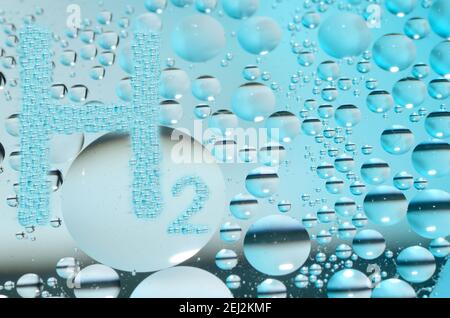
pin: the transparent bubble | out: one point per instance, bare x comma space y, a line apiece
233, 282
301, 281
262, 182
345, 207
325, 170
148, 22
243, 206
277, 245
271, 154
198, 38
125, 58
326, 214
240, 9
97, 281
170, 112
420, 70
357, 188
394, 52
334, 185
125, 241
375, 171
439, 89
403, 180
369, 244
439, 247
409, 92
437, 124
174, 83
230, 232
251, 72
343, 251
205, 6
206, 88
259, 35
223, 122
78, 93
97, 73
397, 140
440, 59
226, 259
312, 126
380, 101
347, 115
432, 159
400, 7
182, 3
283, 126
393, 288
253, 102
202, 111
271, 288
284, 206
416, 264
157, 6
124, 90
429, 213
108, 40
344, 34
349, 283
346, 230
417, 28
311, 20
29, 286
439, 17
385, 205
182, 282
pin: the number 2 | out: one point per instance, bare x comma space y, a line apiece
180, 225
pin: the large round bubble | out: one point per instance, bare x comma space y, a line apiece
198, 38
349, 283
394, 52
182, 282
440, 59
429, 213
344, 35
416, 264
240, 9
432, 159
440, 18
385, 205
393, 288
277, 245
259, 35
101, 176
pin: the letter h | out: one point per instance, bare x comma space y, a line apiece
41, 117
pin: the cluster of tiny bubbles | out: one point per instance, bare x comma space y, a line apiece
243, 206
226, 259
432, 158
416, 264
230, 232
281, 236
